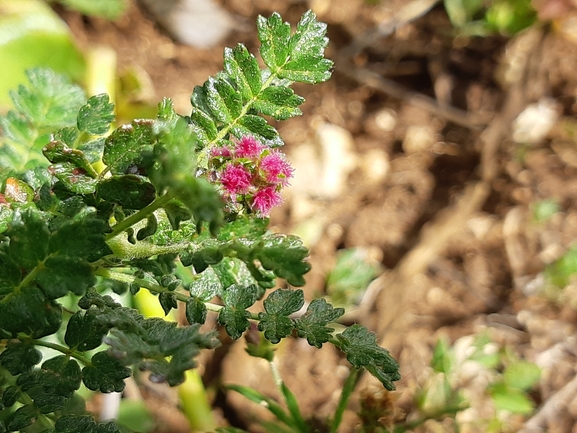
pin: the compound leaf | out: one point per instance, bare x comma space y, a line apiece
312, 324
360, 347
105, 374
160, 347
234, 316
53, 385
278, 306
96, 116
50, 101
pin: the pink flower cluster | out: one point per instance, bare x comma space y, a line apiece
251, 174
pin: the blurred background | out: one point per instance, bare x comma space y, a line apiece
435, 184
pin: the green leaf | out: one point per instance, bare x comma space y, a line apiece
52, 385
10, 275
106, 374
281, 103
311, 70
149, 342
176, 214
6, 215
278, 306
203, 125
274, 36
285, 256
23, 417
167, 301
195, 310
28, 235
30, 312
562, 270
73, 178
259, 128
96, 116
223, 100
307, 63
461, 12
234, 316
82, 238
360, 347
262, 400
50, 101
149, 229
108, 9
62, 275
312, 324
58, 152
84, 424
310, 38
19, 357
17, 191
242, 67
176, 171
10, 396
511, 399
128, 191
522, 375
442, 361
84, 332
125, 148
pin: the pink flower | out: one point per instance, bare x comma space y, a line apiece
236, 179
277, 169
265, 199
248, 147
220, 151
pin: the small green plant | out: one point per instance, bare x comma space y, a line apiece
482, 18
175, 205
497, 382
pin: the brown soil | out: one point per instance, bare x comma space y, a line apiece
418, 166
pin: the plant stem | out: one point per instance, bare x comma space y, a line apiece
348, 388
65, 350
195, 403
140, 215
156, 288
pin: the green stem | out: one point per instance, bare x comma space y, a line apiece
348, 388
195, 403
140, 215
156, 288
63, 349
